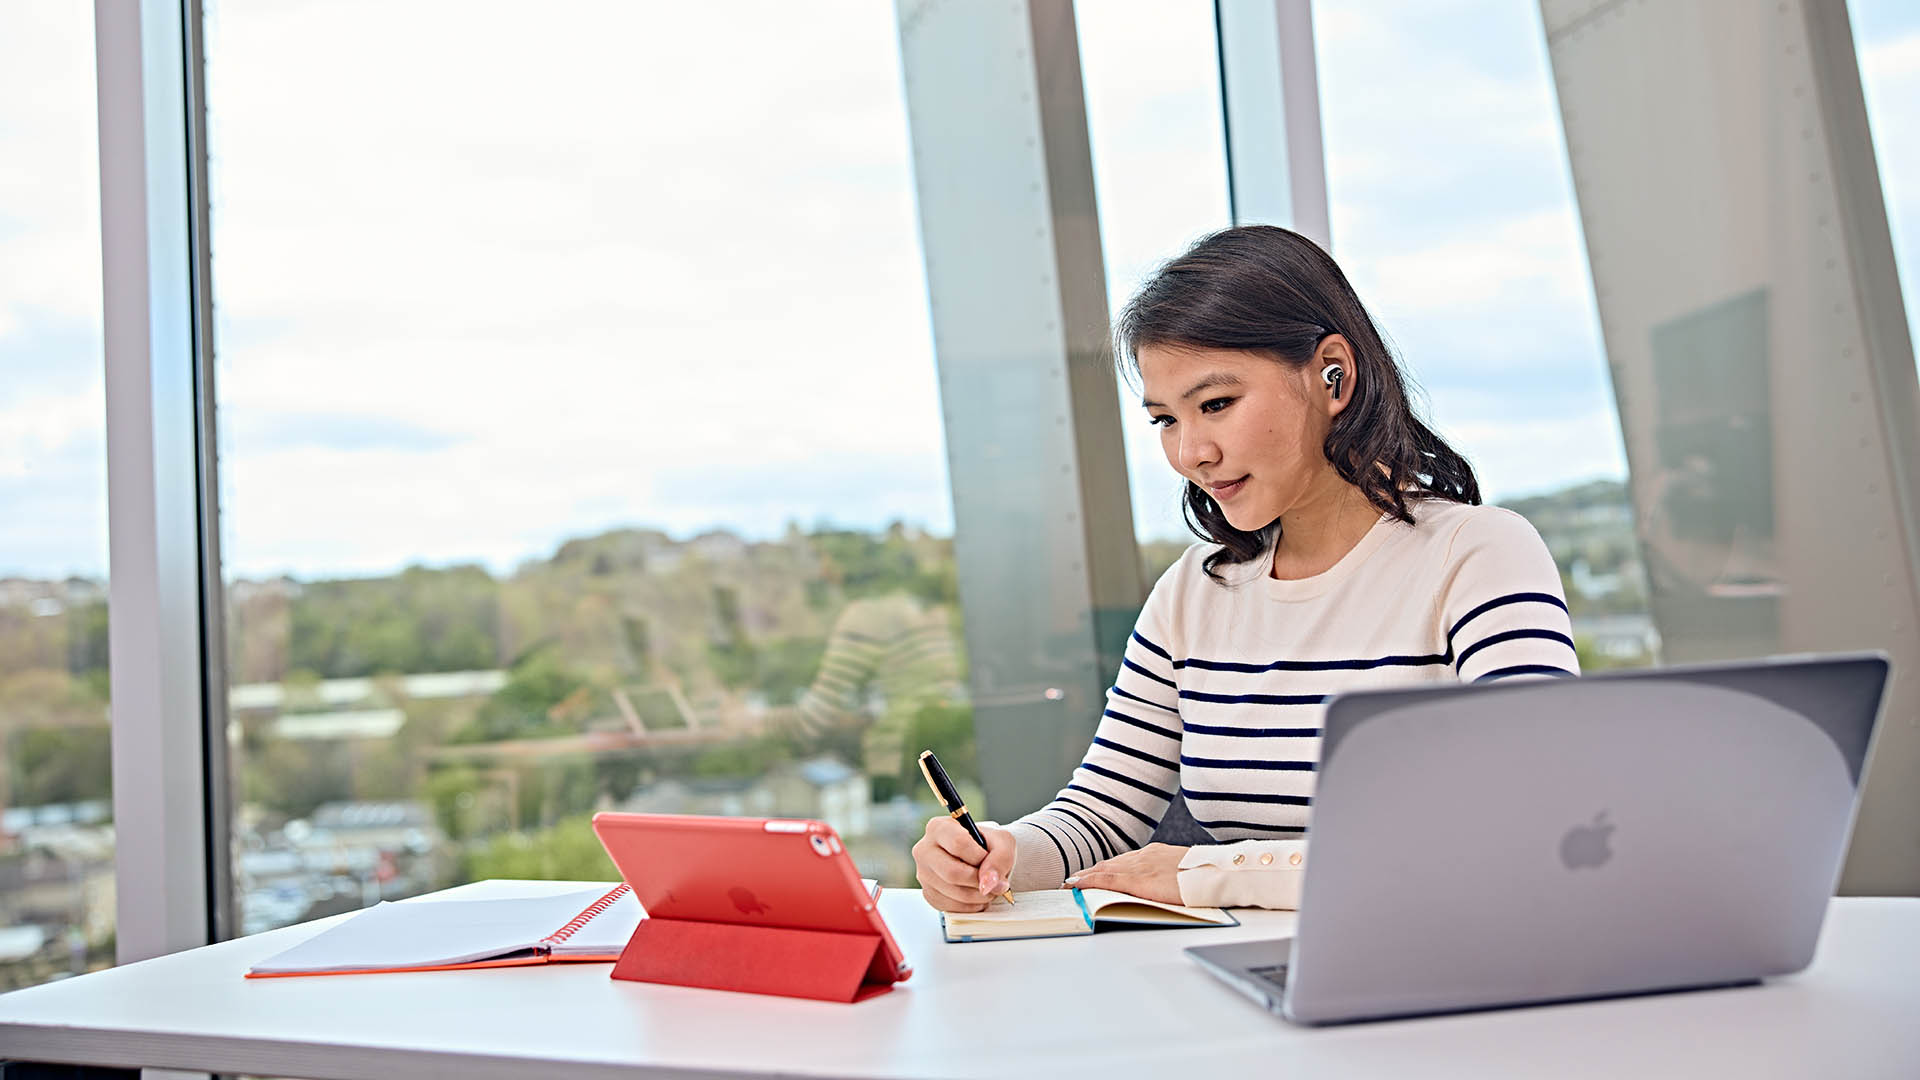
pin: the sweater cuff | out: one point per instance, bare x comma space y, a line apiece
1036, 861
1251, 873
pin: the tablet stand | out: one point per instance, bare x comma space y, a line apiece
822, 964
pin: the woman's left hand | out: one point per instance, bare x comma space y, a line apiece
1152, 873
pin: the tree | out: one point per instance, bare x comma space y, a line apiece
420, 620
291, 777
567, 851
522, 708
60, 764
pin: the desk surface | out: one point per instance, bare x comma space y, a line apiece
1111, 1005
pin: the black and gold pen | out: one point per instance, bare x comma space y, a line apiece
949, 797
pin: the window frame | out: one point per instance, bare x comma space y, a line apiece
170, 789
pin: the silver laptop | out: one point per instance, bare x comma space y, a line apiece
1522, 843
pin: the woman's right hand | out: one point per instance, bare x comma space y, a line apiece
955, 875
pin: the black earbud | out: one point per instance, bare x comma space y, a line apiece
1332, 374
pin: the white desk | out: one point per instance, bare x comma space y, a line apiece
1112, 1005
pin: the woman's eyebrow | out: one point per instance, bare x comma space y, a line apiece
1218, 378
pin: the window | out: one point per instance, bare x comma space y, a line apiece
1152, 77
56, 810
579, 436
1453, 215
1886, 37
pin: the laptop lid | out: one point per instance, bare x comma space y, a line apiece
1550, 840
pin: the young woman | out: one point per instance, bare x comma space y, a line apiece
1345, 548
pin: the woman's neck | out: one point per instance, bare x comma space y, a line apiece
1319, 532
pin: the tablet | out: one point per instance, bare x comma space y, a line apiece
783, 873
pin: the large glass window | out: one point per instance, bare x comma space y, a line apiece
580, 438
1453, 215
1152, 77
56, 828
1886, 38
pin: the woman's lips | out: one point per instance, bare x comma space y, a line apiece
1222, 492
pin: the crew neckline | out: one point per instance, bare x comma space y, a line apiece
1306, 588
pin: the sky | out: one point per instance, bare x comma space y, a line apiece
516, 280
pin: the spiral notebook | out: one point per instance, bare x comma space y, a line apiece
437, 935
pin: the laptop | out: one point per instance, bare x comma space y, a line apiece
1545, 841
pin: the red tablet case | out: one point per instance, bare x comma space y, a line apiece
766, 907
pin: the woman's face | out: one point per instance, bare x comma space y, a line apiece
1247, 429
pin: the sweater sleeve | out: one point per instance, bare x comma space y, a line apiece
1502, 605
1121, 788
1250, 873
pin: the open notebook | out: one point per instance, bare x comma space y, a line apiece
1070, 912
433, 935
437, 935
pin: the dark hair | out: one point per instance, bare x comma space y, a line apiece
1274, 292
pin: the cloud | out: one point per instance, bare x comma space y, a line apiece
1159, 160
836, 487
694, 275
268, 433
49, 167
1516, 457
53, 475
370, 511
1886, 64
1533, 259
1151, 77
585, 255
41, 426
53, 488
518, 279
1454, 218
43, 353
1890, 80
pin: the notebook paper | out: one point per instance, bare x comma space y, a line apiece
1044, 911
439, 933
1065, 912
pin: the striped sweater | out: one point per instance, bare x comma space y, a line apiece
1222, 688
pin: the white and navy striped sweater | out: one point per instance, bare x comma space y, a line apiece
1221, 691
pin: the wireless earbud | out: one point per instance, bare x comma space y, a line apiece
1332, 374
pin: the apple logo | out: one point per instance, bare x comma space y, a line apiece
745, 902
1586, 845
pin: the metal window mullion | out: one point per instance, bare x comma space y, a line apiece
1876, 278
1737, 136
219, 781
153, 207
1270, 99
1884, 856
1050, 576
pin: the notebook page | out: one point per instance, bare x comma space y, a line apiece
1040, 912
430, 932
1124, 907
1039, 904
606, 933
